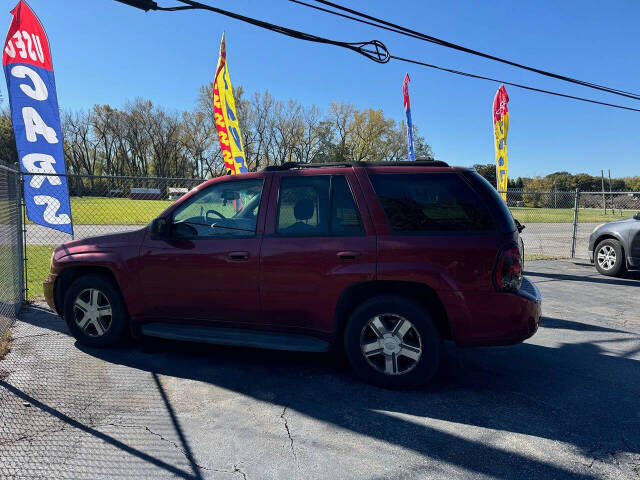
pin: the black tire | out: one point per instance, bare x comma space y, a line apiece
609, 246
387, 308
114, 325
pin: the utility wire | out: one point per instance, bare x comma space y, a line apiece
374, 50
377, 22
526, 87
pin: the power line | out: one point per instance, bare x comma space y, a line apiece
379, 23
374, 49
518, 85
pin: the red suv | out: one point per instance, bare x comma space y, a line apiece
384, 260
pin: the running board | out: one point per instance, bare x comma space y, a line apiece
237, 337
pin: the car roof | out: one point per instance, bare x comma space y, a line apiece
299, 166
331, 168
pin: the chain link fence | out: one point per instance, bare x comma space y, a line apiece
100, 205
11, 257
558, 223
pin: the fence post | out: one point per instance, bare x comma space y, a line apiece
25, 259
575, 223
20, 238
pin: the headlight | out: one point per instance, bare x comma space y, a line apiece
597, 227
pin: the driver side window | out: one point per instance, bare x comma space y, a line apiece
226, 209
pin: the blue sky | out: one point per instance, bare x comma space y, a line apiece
106, 52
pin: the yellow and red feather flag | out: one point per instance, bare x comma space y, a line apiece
226, 118
500, 131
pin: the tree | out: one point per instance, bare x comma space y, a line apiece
142, 139
8, 152
488, 171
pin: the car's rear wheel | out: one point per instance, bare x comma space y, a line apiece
609, 257
392, 342
94, 311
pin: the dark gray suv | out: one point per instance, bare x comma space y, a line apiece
615, 246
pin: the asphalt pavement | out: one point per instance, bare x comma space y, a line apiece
563, 405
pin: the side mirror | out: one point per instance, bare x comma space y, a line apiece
160, 228
183, 230
637, 216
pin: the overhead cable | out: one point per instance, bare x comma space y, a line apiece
380, 23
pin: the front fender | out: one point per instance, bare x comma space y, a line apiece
120, 268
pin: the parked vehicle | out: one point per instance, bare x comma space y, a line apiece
614, 247
383, 260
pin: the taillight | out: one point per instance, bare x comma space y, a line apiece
507, 275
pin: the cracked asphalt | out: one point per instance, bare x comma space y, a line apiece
565, 404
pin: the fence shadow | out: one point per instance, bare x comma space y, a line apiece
576, 394
544, 396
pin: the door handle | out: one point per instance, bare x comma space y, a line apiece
238, 256
348, 255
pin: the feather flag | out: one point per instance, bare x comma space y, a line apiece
500, 131
36, 120
407, 109
226, 118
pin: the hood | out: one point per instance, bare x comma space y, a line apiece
100, 243
618, 222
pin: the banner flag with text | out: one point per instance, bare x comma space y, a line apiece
36, 120
226, 118
500, 131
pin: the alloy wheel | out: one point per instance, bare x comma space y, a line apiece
391, 344
92, 312
606, 257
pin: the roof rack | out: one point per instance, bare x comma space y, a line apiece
406, 163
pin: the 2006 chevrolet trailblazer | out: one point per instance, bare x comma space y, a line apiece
385, 261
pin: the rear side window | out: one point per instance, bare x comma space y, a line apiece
303, 206
319, 205
345, 219
430, 202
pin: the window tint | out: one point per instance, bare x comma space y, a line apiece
224, 209
430, 202
303, 205
345, 219
317, 205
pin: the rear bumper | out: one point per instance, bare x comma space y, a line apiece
503, 318
48, 287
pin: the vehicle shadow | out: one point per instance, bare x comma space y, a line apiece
629, 279
577, 394
572, 394
550, 322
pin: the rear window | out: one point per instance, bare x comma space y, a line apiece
430, 202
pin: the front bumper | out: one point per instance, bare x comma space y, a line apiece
49, 291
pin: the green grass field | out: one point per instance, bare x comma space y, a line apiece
124, 211
115, 211
38, 265
565, 215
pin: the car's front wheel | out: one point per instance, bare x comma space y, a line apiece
392, 342
609, 257
94, 311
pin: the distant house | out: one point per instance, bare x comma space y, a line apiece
176, 192
145, 194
